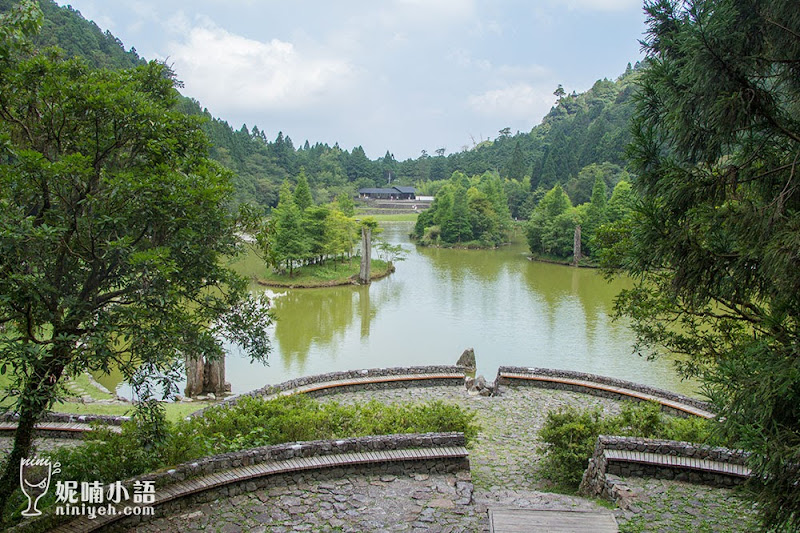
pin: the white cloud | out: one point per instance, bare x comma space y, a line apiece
602, 5
439, 7
228, 72
514, 101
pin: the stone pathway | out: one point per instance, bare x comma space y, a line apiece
41, 445
666, 506
430, 503
504, 473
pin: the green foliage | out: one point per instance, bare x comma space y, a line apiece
716, 239
252, 422
302, 193
256, 422
92, 278
108, 457
391, 252
570, 435
551, 227
345, 204
569, 438
290, 243
468, 212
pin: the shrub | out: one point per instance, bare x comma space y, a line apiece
569, 436
252, 422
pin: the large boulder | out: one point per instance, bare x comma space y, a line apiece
467, 359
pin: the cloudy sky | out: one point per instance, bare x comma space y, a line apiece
398, 75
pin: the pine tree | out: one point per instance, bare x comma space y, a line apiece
717, 236
302, 192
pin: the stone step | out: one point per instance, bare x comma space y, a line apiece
550, 521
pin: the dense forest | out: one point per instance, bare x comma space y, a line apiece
583, 135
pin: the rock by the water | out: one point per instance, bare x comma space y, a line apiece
480, 386
467, 359
469, 382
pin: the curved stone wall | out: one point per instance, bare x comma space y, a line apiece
269, 390
659, 458
601, 380
185, 481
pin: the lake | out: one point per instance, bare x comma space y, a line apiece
511, 310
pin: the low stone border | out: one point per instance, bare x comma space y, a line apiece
232, 473
604, 386
58, 430
637, 457
64, 425
379, 378
71, 418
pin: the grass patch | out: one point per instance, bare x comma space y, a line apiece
174, 411
328, 274
82, 381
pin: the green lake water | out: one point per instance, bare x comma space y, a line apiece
439, 302
511, 310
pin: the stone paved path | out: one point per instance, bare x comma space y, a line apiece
42, 445
667, 506
504, 472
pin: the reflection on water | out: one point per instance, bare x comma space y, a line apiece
439, 302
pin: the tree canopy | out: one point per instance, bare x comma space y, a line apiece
466, 211
715, 240
113, 222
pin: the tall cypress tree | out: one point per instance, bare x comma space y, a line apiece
302, 192
717, 237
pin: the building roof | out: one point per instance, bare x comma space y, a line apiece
373, 190
387, 190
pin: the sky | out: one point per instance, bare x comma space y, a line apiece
389, 75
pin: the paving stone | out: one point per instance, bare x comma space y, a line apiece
504, 473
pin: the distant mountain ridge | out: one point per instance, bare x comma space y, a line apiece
581, 130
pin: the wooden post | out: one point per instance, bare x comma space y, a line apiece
366, 254
214, 376
194, 376
576, 246
204, 376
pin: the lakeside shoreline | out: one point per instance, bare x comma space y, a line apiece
317, 284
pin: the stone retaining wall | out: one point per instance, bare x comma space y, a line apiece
601, 478
72, 418
269, 390
428, 466
601, 380
281, 452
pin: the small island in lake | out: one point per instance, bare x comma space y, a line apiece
466, 213
307, 245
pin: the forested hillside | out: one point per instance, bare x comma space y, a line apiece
582, 137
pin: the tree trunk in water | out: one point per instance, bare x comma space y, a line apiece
366, 253
576, 246
194, 376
